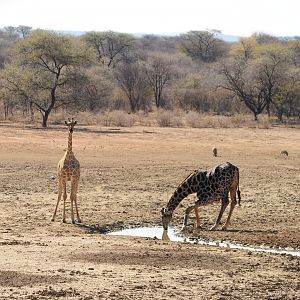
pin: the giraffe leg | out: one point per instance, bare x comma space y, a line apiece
232, 205
65, 198
74, 200
197, 216
58, 199
72, 196
223, 207
76, 206
186, 216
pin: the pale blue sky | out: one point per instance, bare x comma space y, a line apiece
236, 17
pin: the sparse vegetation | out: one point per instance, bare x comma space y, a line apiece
103, 73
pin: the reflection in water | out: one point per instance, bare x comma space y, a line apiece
173, 235
165, 236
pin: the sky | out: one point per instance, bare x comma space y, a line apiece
233, 17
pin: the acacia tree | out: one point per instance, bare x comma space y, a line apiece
202, 45
110, 47
49, 63
244, 49
23, 30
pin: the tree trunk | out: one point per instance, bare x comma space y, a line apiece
47, 111
45, 118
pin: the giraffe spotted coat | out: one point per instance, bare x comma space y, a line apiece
210, 186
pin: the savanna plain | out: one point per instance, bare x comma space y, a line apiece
127, 176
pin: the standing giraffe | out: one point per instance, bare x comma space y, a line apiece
68, 170
210, 187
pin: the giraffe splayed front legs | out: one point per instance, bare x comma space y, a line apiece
210, 187
68, 170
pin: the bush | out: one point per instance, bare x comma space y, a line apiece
122, 118
163, 118
193, 119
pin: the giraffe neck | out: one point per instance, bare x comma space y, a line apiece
69, 142
183, 190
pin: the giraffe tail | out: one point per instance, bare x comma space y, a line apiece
238, 189
239, 197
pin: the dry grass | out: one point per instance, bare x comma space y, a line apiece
127, 176
160, 118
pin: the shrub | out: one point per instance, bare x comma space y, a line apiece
163, 118
122, 118
193, 119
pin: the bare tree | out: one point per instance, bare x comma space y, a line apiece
96, 91
110, 47
11, 32
159, 72
264, 38
131, 79
239, 80
202, 45
286, 100
23, 30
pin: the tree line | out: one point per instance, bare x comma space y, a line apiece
44, 71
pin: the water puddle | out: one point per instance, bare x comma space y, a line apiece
174, 235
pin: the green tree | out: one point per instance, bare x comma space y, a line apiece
245, 48
47, 65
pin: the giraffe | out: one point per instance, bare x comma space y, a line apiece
210, 186
68, 170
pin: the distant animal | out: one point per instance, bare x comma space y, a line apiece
215, 151
68, 170
284, 153
210, 186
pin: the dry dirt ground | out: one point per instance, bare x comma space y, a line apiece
128, 174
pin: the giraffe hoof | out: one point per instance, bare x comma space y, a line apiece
64, 221
52, 220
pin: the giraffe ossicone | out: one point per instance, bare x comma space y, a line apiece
68, 170
210, 186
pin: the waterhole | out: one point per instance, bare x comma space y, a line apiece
176, 236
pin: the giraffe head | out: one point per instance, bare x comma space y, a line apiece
70, 123
166, 217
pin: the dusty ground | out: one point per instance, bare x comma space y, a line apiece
128, 174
